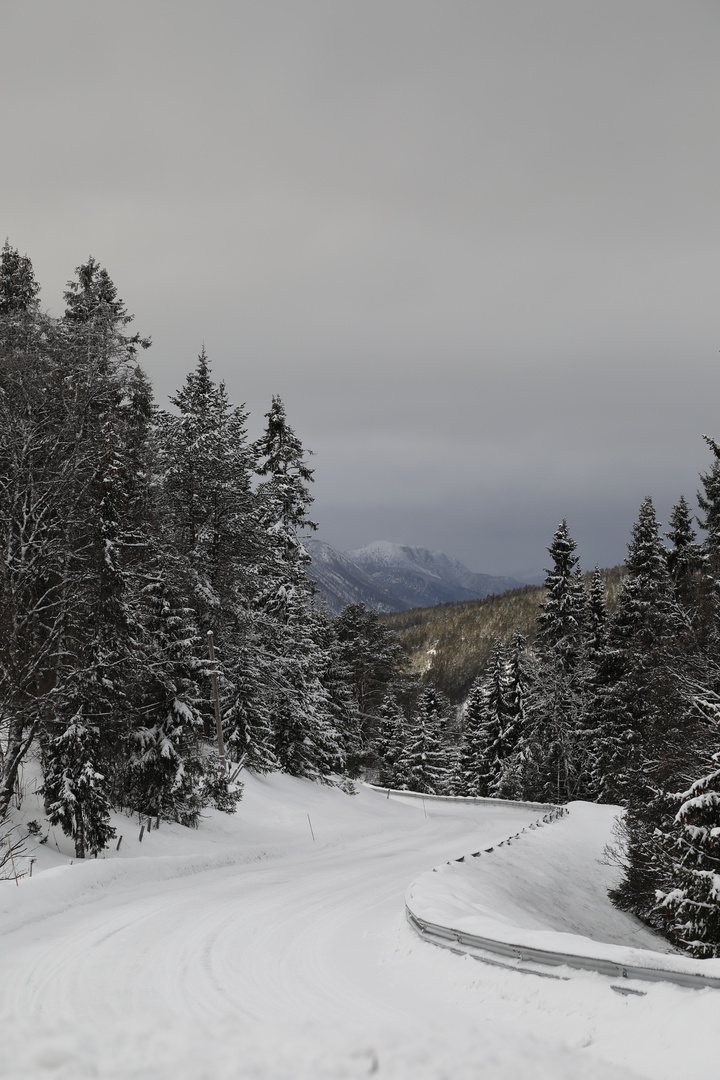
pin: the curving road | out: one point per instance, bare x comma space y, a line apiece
297, 964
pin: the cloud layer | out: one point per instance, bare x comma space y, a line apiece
473, 245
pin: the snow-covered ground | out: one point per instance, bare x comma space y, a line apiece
247, 948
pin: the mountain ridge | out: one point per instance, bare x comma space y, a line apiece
393, 577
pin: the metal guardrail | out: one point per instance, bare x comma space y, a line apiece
555, 959
551, 957
480, 800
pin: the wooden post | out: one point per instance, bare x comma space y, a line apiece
142, 830
12, 860
216, 700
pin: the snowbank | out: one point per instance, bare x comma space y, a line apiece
542, 895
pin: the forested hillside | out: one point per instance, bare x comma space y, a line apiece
451, 644
604, 691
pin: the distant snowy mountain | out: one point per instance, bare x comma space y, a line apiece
393, 577
341, 581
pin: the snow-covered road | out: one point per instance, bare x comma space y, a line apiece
276, 955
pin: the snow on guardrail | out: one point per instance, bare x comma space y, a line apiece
626, 962
468, 800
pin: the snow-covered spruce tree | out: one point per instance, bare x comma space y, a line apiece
694, 900
511, 781
428, 757
390, 744
210, 515
82, 743
684, 557
499, 719
76, 788
79, 477
709, 503
38, 497
597, 618
206, 465
306, 742
647, 726
19, 307
18, 288
47, 460
631, 704
163, 771
596, 648
336, 678
689, 890
473, 765
492, 750
95, 318
375, 662
556, 759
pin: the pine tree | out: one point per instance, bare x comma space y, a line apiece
497, 721
95, 317
597, 618
390, 745
210, 513
21, 324
163, 769
646, 721
374, 660
18, 287
281, 458
82, 736
595, 658
511, 781
709, 503
336, 679
76, 788
306, 742
39, 502
557, 706
634, 671
694, 901
425, 759
684, 556
473, 757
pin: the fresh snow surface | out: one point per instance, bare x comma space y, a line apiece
247, 949
546, 889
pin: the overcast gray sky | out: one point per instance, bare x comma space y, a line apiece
473, 245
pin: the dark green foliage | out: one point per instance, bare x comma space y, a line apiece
638, 688
709, 502
694, 900
126, 535
76, 794
558, 769
18, 287
684, 558
336, 678
428, 757
374, 663
450, 645
472, 773
390, 745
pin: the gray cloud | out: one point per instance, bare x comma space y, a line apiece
473, 245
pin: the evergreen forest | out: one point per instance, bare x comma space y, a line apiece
160, 631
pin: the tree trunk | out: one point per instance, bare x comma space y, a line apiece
18, 745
